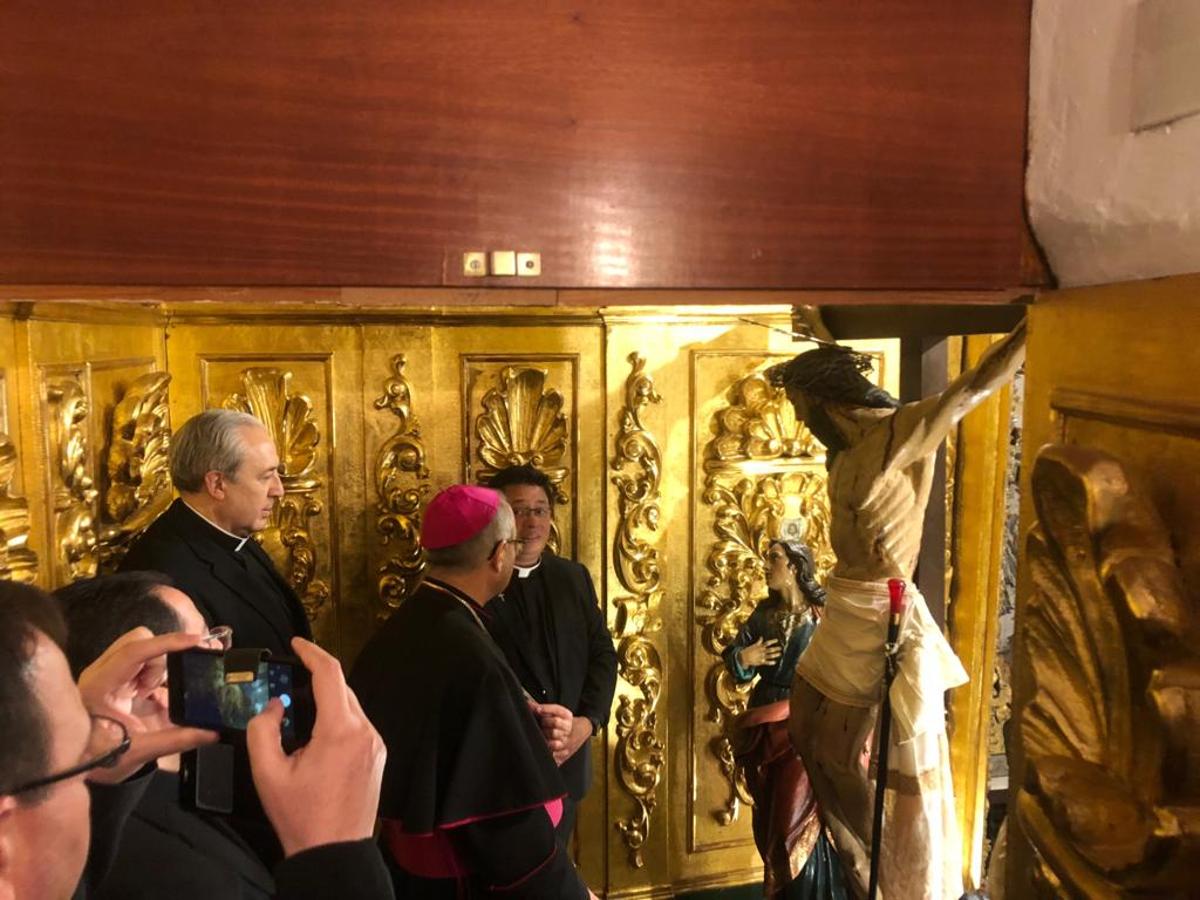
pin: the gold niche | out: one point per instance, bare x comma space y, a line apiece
764, 479
72, 486
138, 485
1110, 652
401, 483
289, 418
639, 751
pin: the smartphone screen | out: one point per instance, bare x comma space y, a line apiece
200, 696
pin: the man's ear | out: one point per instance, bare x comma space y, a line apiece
214, 485
8, 846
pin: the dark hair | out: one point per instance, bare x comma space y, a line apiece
806, 572
526, 475
833, 374
25, 611
100, 610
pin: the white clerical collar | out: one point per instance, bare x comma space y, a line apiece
526, 571
237, 537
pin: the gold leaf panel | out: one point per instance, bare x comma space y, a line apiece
289, 418
401, 483
1111, 799
640, 751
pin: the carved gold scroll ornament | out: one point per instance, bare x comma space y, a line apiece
289, 418
639, 751
138, 485
1110, 801
401, 483
72, 489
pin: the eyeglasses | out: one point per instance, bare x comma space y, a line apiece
531, 512
107, 743
516, 542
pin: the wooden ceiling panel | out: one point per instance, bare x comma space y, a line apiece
763, 143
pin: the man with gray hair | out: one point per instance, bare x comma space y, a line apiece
225, 466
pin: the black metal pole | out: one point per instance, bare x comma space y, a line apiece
896, 588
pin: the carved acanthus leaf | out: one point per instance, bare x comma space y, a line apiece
1111, 653
266, 395
138, 485
401, 483
640, 751
73, 486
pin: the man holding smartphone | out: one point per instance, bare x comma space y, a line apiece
60, 740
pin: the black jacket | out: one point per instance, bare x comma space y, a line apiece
198, 557
584, 661
145, 846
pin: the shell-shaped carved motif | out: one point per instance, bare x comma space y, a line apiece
522, 423
289, 418
1111, 801
760, 424
266, 394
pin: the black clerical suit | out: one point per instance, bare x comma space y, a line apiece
145, 846
470, 789
232, 581
550, 627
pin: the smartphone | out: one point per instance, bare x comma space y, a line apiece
199, 696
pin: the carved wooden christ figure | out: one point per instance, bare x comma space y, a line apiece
880, 456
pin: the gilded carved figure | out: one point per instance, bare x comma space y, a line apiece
1110, 801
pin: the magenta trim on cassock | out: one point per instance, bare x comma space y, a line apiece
432, 855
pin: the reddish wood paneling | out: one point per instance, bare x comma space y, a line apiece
708, 143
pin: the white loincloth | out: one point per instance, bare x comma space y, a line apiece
844, 660
922, 847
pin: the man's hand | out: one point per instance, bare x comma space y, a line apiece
581, 730
557, 723
129, 670
328, 790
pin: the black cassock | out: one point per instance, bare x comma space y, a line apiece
470, 786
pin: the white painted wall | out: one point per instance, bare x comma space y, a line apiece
1107, 204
